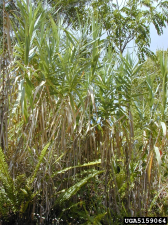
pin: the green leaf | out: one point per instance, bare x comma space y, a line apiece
78, 166
75, 188
98, 218
4, 173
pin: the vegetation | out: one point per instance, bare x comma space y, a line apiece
83, 129
130, 20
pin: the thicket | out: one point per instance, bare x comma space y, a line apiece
83, 129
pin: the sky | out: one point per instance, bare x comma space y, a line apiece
158, 42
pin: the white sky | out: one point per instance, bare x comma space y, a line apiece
159, 42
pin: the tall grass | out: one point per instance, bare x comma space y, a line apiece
72, 112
